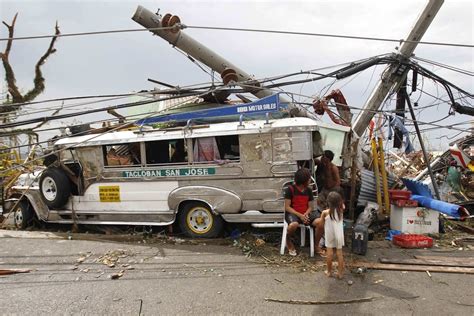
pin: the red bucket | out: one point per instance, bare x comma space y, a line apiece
412, 241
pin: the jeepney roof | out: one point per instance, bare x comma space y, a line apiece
214, 129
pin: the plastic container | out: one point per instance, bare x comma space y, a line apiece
360, 239
412, 241
405, 203
399, 194
414, 220
348, 227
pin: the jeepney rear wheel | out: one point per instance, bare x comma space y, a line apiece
198, 221
23, 215
55, 187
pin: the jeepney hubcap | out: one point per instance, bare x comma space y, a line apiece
49, 188
18, 217
199, 220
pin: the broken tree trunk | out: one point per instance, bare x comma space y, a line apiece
10, 79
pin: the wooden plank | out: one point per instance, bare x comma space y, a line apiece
464, 228
428, 262
443, 258
12, 271
356, 300
419, 268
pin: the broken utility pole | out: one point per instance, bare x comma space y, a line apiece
396, 73
230, 73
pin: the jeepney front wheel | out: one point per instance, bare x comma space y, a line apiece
197, 220
23, 215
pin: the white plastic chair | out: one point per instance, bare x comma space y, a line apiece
303, 229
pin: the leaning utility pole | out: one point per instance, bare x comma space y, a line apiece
395, 74
169, 27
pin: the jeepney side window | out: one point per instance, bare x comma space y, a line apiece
166, 152
206, 149
122, 155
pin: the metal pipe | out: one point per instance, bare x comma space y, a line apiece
422, 144
425, 171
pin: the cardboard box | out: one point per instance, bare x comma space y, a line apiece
414, 220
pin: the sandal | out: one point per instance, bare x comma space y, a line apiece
322, 253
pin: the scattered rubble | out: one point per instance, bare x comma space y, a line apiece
116, 276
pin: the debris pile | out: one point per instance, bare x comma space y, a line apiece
111, 259
264, 249
407, 165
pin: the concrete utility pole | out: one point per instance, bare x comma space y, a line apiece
193, 48
228, 71
394, 76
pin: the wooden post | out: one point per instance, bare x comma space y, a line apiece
384, 177
376, 172
352, 199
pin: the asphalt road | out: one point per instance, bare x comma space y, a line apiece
202, 279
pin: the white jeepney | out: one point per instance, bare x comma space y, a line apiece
200, 176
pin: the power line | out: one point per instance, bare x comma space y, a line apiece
61, 107
18, 38
215, 28
452, 68
100, 134
62, 116
400, 41
198, 86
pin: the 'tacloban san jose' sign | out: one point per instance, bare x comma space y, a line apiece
180, 172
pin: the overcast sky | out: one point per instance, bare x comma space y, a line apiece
121, 63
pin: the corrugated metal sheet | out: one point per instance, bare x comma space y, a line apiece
367, 189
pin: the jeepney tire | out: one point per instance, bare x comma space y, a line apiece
23, 215
55, 187
197, 220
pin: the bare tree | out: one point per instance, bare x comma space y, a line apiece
38, 88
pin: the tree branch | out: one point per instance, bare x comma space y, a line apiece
39, 79
9, 74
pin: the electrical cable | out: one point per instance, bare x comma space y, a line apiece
181, 89
199, 86
400, 41
452, 68
93, 136
215, 28
62, 116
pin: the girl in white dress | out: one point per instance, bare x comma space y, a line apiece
334, 232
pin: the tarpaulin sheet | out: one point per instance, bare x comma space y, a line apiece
417, 188
437, 205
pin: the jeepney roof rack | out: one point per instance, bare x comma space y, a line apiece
264, 108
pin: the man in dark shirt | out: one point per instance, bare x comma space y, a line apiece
298, 206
